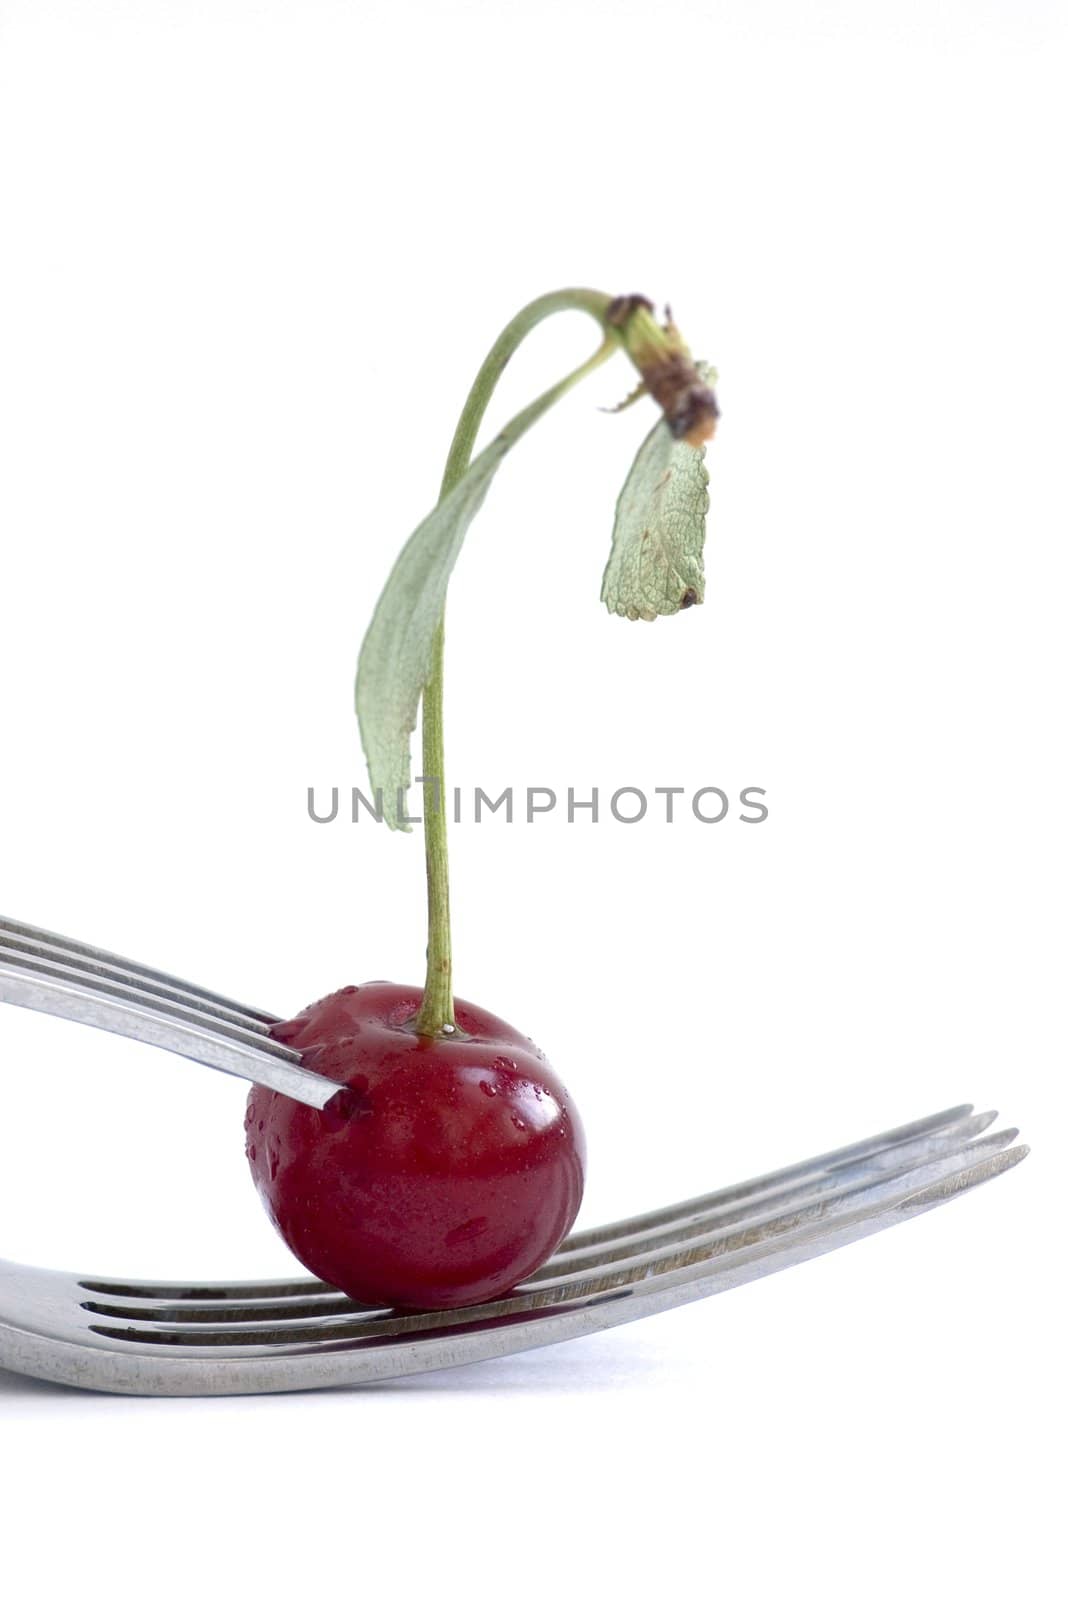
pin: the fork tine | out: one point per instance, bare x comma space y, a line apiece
213, 1293
157, 1349
269, 1302
46, 983
779, 1213
24, 935
845, 1177
941, 1121
77, 978
818, 1169
101, 979
717, 1261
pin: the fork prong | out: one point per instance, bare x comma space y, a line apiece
124, 1361
207, 1293
294, 1311
133, 972
779, 1213
942, 1125
844, 1177
940, 1121
75, 975
97, 964
34, 965
49, 985
264, 1302
718, 1261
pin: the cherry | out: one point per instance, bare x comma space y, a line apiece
444, 1171
450, 1162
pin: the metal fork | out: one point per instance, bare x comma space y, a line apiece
140, 1337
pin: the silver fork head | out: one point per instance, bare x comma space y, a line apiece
139, 1337
65, 978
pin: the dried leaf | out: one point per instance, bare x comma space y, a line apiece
656, 566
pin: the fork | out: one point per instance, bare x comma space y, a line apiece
128, 1336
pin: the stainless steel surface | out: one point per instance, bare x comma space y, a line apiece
141, 1337
65, 978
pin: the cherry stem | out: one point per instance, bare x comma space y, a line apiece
436, 1016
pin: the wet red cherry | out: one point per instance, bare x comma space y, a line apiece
443, 1173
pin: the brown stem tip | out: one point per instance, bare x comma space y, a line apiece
667, 368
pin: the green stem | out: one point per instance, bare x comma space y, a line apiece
436, 1012
508, 342
436, 1015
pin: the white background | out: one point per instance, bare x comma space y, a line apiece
251, 256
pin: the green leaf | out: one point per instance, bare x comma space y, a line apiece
656, 566
396, 657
